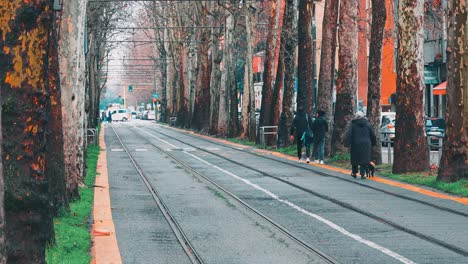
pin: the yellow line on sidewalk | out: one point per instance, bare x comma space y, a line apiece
105, 248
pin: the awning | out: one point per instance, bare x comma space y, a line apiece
440, 89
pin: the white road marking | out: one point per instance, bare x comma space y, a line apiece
318, 217
117, 150
334, 226
141, 150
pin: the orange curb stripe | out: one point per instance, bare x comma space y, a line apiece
376, 178
105, 248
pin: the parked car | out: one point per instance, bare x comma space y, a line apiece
134, 115
120, 115
149, 115
139, 115
387, 126
435, 129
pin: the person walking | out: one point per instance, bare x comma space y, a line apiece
320, 130
360, 138
302, 124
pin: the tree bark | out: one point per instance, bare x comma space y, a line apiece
215, 87
454, 160
201, 119
411, 150
270, 62
288, 49
248, 98
233, 120
3, 255
327, 65
72, 74
347, 77
305, 93
26, 115
379, 17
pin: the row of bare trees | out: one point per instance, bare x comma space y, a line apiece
49, 89
199, 79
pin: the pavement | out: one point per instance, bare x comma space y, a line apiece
326, 209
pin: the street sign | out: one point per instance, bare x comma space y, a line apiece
130, 88
155, 95
431, 75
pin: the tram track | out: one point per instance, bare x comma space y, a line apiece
345, 205
190, 251
280, 228
311, 169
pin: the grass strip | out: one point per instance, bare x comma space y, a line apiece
72, 236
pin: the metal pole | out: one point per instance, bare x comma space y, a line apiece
389, 150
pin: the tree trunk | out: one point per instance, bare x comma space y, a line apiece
55, 166
454, 161
379, 16
347, 77
2, 190
223, 116
270, 62
411, 150
233, 120
305, 93
248, 99
201, 114
217, 57
327, 65
72, 71
277, 98
26, 116
182, 111
288, 49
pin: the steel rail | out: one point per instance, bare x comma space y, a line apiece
280, 228
176, 229
345, 205
328, 175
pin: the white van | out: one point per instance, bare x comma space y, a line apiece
120, 115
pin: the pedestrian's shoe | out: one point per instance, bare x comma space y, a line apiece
321, 162
363, 177
299, 160
353, 175
308, 160
316, 161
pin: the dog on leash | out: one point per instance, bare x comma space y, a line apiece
370, 169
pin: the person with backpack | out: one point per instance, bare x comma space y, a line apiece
320, 130
360, 138
301, 130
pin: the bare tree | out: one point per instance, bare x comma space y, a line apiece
347, 77
327, 64
270, 62
288, 52
72, 74
411, 150
379, 16
454, 161
305, 93
248, 99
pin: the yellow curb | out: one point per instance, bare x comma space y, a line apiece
328, 167
105, 248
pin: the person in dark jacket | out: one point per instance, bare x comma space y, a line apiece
301, 123
320, 129
360, 138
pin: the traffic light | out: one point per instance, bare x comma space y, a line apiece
130, 88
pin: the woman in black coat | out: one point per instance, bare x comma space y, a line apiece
360, 138
301, 124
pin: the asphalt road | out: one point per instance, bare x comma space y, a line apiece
329, 211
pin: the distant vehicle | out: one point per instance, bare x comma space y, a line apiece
120, 115
134, 115
435, 129
149, 115
387, 130
139, 115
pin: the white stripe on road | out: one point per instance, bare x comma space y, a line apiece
302, 210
